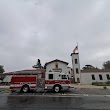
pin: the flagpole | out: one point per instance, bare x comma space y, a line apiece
79, 65
78, 47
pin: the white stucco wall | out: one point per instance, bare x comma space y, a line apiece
74, 66
70, 73
86, 78
61, 65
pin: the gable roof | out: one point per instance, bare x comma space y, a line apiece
56, 60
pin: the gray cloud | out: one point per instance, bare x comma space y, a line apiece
50, 29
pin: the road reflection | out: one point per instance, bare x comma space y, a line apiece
46, 103
33, 102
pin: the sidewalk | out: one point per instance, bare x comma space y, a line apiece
88, 86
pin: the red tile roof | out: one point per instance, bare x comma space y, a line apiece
95, 70
28, 71
73, 53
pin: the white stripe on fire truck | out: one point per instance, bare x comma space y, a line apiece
20, 85
63, 85
24, 82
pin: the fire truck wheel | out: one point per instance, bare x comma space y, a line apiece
25, 89
57, 88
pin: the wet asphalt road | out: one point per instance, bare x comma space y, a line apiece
73, 91
10, 102
75, 99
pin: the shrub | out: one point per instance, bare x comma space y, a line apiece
97, 83
101, 83
104, 87
108, 82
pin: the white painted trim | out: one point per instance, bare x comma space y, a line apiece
19, 85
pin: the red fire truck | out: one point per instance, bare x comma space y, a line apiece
53, 81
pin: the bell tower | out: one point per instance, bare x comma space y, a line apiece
76, 67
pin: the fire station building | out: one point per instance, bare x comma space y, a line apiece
58, 66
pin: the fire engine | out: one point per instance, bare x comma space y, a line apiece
53, 81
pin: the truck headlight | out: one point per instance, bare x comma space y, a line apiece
45, 87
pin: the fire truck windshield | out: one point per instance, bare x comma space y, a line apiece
64, 77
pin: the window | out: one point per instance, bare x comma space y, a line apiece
56, 65
50, 76
68, 77
77, 70
76, 61
108, 76
78, 80
100, 77
93, 77
64, 77
72, 61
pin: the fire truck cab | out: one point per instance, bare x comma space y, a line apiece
57, 81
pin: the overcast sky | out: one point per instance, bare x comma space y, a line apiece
50, 29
